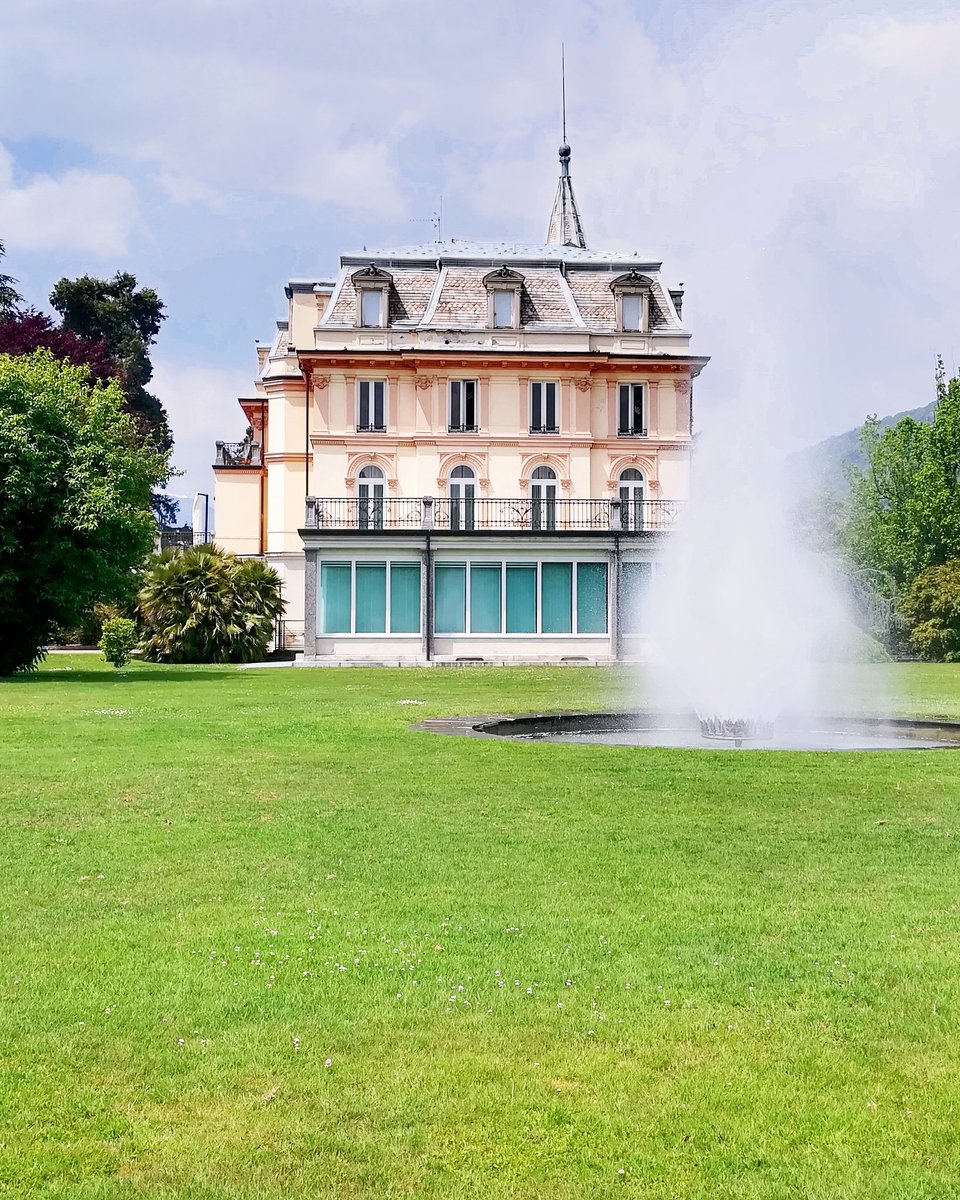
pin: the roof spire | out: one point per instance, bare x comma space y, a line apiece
565, 228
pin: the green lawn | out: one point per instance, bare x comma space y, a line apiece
260, 939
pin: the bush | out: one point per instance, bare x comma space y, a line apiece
118, 639
204, 605
931, 606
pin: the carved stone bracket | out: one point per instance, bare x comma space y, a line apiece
424, 381
582, 384
321, 381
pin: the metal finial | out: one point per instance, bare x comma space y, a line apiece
563, 92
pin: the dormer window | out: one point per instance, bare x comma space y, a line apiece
503, 310
632, 298
503, 298
371, 308
373, 296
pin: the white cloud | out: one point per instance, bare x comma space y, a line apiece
76, 211
201, 404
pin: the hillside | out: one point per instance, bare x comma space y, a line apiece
823, 463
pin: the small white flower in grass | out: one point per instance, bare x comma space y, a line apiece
666, 1001
181, 1041
559, 1004
296, 1043
328, 1062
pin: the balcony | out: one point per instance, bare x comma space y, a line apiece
484, 514
238, 454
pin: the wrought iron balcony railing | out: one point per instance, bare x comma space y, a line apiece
460, 515
238, 454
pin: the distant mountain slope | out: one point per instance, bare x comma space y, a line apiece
823, 463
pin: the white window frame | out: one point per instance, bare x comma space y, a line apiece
374, 562
537, 563
463, 426
380, 293
644, 295
543, 384
512, 295
644, 407
370, 427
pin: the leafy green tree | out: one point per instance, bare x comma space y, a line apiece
127, 319
904, 507
75, 485
205, 605
931, 605
10, 298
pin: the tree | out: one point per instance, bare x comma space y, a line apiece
75, 484
10, 298
24, 332
127, 320
206, 605
931, 604
904, 508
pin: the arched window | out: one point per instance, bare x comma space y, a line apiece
632, 489
370, 483
463, 491
543, 496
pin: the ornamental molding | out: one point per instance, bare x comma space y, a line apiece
683, 387
641, 462
424, 381
478, 463
365, 458
582, 384
321, 381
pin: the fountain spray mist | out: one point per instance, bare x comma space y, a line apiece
742, 616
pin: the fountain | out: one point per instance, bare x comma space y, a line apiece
742, 619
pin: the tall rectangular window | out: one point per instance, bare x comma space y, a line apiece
503, 302
404, 597
335, 597
521, 599
463, 406
370, 307
634, 582
543, 407
485, 598
370, 600
591, 597
450, 598
631, 414
556, 597
631, 312
371, 406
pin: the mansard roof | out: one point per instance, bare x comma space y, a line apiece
443, 285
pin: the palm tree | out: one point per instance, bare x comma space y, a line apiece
204, 604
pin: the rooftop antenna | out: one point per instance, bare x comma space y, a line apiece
436, 220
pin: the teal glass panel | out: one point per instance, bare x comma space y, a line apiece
405, 598
371, 598
334, 598
591, 597
485, 599
634, 580
521, 599
556, 597
450, 599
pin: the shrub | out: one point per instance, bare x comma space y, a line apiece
204, 605
118, 639
931, 605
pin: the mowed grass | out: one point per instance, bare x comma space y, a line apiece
261, 939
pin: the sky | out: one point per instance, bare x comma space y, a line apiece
796, 167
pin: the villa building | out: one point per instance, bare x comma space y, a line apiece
463, 451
